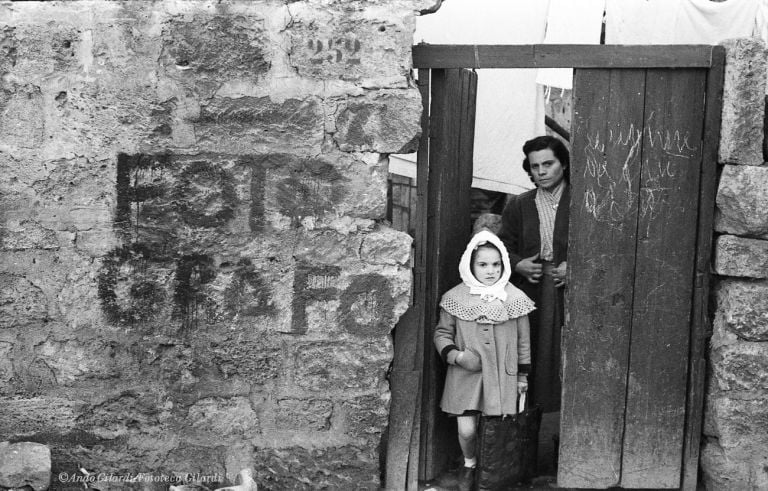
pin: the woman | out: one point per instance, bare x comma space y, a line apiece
534, 228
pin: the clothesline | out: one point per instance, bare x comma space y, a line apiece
510, 103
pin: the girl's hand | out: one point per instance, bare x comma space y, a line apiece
522, 387
469, 360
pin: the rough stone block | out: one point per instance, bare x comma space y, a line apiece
723, 470
8, 49
96, 242
61, 195
367, 305
41, 52
316, 289
386, 246
17, 235
224, 417
249, 125
739, 256
6, 368
742, 308
135, 288
741, 135
356, 41
742, 201
732, 419
243, 291
31, 415
341, 367
326, 247
365, 302
198, 464
740, 366
366, 417
257, 360
304, 415
25, 464
118, 414
315, 192
382, 121
338, 467
23, 121
75, 360
21, 302
201, 50
321, 319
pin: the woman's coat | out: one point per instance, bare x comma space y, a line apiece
520, 234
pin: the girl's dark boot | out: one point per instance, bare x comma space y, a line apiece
466, 478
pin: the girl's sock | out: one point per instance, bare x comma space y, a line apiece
470, 462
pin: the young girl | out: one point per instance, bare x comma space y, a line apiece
483, 336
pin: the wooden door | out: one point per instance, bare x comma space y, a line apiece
645, 135
637, 166
448, 229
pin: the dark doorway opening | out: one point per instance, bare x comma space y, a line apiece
644, 145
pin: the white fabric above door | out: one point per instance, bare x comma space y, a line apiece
510, 106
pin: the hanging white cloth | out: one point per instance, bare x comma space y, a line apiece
681, 21
640, 21
509, 107
570, 22
707, 22
684, 21
761, 24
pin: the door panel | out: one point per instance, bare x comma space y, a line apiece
667, 225
452, 131
636, 169
605, 168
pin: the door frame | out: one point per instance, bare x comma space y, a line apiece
402, 469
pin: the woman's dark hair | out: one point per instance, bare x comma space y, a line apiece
484, 245
558, 148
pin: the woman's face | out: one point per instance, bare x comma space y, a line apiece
546, 169
487, 265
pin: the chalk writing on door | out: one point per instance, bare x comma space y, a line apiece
651, 154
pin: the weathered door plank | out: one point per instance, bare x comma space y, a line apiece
450, 178
701, 324
667, 227
403, 445
608, 119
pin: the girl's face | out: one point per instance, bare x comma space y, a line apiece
487, 266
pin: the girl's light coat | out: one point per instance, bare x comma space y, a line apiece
501, 347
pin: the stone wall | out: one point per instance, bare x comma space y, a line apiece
196, 278
735, 445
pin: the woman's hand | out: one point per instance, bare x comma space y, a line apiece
558, 274
469, 360
529, 268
